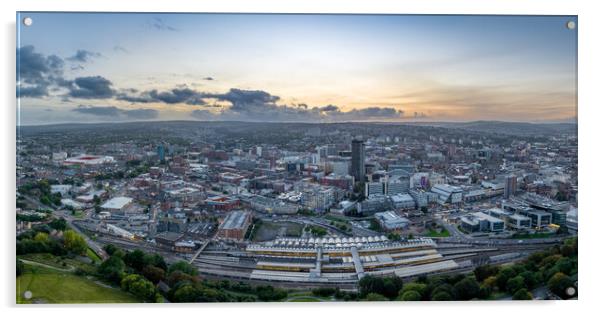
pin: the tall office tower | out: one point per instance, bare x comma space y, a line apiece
510, 187
161, 152
358, 158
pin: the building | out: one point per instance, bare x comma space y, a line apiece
88, 160
539, 218
399, 185
513, 220
318, 198
235, 225
481, 222
173, 222
403, 202
423, 198
373, 205
448, 194
374, 188
510, 187
63, 189
518, 222
391, 221
161, 152
358, 160
116, 204
269, 205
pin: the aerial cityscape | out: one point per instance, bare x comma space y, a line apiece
151, 168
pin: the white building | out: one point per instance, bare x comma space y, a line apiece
391, 220
116, 203
447, 194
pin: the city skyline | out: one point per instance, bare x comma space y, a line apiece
297, 68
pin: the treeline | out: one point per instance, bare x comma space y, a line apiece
554, 269
41, 239
150, 278
42, 190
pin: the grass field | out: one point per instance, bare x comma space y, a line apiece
434, 233
92, 255
57, 287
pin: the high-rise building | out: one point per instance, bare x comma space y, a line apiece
510, 187
358, 159
161, 152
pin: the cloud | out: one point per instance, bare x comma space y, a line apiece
115, 112
121, 49
95, 87
209, 78
254, 105
83, 56
173, 96
329, 108
158, 24
39, 74
181, 95
35, 91
36, 72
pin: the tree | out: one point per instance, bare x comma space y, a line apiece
139, 286
134, 259
185, 293
490, 282
269, 293
514, 284
155, 260
413, 286
74, 242
178, 277
483, 272
41, 237
530, 279
439, 286
370, 284
375, 297
153, 273
411, 296
503, 276
391, 286
112, 269
441, 296
522, 295
184, 267
110, 249
58, 224
558, 284
466, 289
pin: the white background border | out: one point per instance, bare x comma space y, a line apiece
590, 87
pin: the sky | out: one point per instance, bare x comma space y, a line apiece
102, 67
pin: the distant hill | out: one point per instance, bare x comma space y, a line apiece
512, 128
491, 127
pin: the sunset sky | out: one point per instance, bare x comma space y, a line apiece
77, 67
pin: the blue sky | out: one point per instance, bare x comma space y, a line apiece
296, 67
